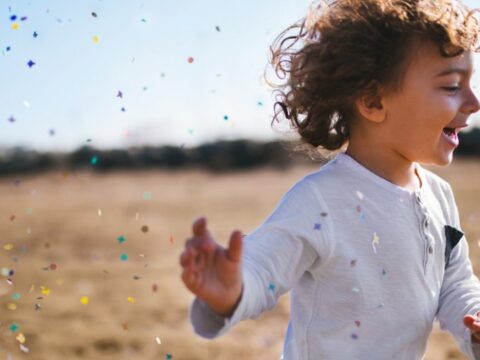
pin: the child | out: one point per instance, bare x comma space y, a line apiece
370, 244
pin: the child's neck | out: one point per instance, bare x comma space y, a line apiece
389, 166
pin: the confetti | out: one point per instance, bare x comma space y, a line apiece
144, 20
171, 239
124, 257
357, 322
130, 299
94, 14
8, 247
271, 287
384, 272
51, 132
31, 63
94, 160
95, 39
147, 195
317, 226
20, 338
154, 287
15, 26
121, 239
13, 17
144, 228
168, 357
355, 289
35, 34
190, 60
14, 327
120, 94
16, 296
37, 307
375, 242
353, 263
53, 267
123, 109
11, 119
84, 300
12, 306
225, 117
24, 349
354, 336
12, 217
217, 28
99, 212
360, 195
157, 339
45, 290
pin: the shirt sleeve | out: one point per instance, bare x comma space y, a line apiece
460, 292
276, 255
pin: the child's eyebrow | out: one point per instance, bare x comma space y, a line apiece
450, 71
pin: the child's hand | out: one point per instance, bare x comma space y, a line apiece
473, 323
212, 272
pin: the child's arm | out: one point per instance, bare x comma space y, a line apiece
460, 293
276, 255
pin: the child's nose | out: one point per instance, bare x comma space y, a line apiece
472, 105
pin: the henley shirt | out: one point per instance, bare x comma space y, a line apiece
370, 266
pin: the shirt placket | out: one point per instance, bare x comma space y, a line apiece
424, 230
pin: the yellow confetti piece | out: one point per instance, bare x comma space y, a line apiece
95, 39
130, 299
84, 300
31, 289
45, 290
15, 26
12, 306
375, 242
8, 246
21, 338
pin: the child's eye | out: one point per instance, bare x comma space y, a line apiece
452, 89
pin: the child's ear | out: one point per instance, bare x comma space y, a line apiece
371, 106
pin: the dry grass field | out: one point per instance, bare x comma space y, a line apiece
61, 233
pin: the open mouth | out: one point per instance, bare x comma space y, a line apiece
451, 135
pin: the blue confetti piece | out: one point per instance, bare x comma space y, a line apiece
317, 226
31, 63
13, 17
354, 336
35, 34
271, 287
225, 117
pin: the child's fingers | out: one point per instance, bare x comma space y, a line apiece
199, 227
234, 251
190, 279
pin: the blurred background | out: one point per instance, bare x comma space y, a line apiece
120, 123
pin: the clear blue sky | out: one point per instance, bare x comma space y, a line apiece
70, 94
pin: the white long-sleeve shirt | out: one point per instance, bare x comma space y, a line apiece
370, 266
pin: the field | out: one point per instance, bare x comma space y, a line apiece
95, 260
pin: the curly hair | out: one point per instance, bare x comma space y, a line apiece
344, 49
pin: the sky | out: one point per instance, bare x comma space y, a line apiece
121, 73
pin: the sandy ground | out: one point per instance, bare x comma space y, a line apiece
60, 235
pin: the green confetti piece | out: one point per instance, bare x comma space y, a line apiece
121, 239
124, 257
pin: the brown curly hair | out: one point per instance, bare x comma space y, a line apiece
344, 49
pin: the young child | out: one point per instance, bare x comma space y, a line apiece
370, 244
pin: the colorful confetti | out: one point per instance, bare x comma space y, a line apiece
124, 257
130, 299
84, 300
31, 63
375, 242
94, 160
94, 14
20, 338
144, 228
190, 60
14, 327
96, 39
121, 239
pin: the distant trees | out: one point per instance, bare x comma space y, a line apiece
218, 156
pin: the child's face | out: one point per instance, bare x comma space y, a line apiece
428, 102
